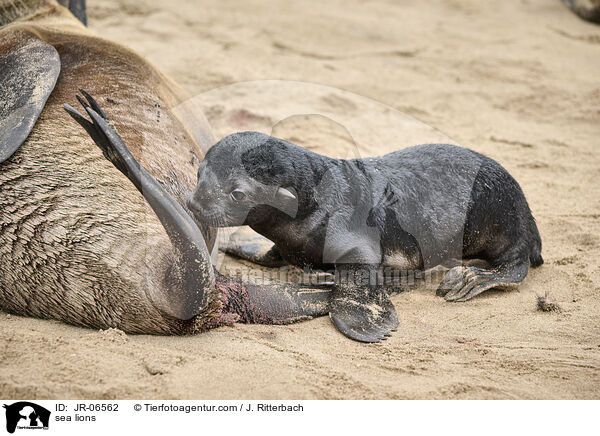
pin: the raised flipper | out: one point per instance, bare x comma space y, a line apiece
191, 279
249, 245
462, 283
358, 307
29, 70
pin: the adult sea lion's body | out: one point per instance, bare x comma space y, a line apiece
78, 243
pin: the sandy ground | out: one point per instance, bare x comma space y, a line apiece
518, 81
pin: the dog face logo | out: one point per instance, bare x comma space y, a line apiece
26, 415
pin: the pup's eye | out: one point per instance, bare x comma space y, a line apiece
238, 195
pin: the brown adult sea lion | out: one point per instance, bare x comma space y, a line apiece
78, 243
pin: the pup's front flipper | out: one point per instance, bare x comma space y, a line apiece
249, 245
361, 311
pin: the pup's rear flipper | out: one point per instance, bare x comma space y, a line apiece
363, 312
29, 69
463, 283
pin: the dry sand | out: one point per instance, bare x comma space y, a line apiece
516, 80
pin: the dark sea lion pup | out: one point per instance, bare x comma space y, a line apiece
410, 210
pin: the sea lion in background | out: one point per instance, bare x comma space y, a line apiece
589, 10
77, 241
411, 210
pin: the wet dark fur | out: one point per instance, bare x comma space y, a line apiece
407, 211
405, 192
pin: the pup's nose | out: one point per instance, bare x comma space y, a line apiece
192, 204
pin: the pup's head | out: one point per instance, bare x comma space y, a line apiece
243, 173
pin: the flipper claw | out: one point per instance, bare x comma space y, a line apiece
92, 103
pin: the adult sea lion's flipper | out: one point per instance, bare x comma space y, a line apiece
29, 69
359, 309
191, 277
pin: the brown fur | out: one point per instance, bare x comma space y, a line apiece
78, 243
